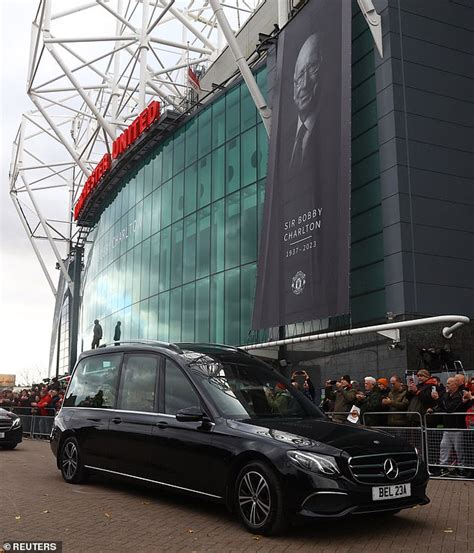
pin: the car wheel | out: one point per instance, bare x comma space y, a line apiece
9, 446
259, 500
72, 468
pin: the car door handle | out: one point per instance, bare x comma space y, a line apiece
117, 420
93, 420
162, 424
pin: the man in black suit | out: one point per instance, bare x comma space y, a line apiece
306, 93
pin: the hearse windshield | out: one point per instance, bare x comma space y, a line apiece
250, 390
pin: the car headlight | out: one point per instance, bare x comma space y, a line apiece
16, 423
315, 462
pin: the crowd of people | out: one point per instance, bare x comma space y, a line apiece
394, 402
421, 400
36, 405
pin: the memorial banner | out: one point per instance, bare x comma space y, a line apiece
303, 266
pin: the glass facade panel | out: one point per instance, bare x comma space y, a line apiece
190, 189
156, 211
175, 315
232, 230
217, 309
187, 326
232, 165
205, 132
164, 316
154, 264
249, 157
204, 181
165, 259
218, 122
178, 197
202, 310
232, 306
167, 160
233, 112
178, 151
189, 249
191, 142
248, 224
203, 242
177, 254
217, 236
218, 173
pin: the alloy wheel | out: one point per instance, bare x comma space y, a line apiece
254, 498
70, 460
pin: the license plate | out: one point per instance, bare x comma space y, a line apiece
2, 434
379, 493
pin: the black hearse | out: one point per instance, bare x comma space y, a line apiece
215, 421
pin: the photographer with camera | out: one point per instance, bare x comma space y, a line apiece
343, 396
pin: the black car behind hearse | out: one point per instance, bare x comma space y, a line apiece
11, 429
217, 422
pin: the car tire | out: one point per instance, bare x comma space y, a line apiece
8, 446
259, 500
70, 462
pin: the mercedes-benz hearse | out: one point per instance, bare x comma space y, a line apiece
217, 422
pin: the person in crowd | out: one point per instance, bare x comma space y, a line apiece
307, 388
355, 385
396, 401
369, 402
382, 383
420, 395
96, 334
451, 402
6, 399
343, 396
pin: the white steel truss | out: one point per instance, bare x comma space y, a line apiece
94, 66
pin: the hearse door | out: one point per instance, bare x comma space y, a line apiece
133, 419
89, 403
181, 450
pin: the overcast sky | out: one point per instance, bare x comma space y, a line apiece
26, 300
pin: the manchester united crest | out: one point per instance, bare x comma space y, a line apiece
298, 282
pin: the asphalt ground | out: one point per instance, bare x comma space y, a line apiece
108, 515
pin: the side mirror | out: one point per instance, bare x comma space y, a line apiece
190, 414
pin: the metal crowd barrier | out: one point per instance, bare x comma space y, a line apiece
34, 425
449, 444
447, 450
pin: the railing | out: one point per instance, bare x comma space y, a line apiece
443, 440
34, 424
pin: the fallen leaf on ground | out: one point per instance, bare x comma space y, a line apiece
190, 531
17, 517
257, 538
46, 511
107, 515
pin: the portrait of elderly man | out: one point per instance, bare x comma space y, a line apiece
306, 95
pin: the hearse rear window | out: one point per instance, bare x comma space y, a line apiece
94, 383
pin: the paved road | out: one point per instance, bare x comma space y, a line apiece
111, 516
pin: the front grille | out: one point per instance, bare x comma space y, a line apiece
5, 424
369, 469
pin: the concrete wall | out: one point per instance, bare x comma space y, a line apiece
425, 104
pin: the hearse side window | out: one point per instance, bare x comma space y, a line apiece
94, 382
138, 383
179, 392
